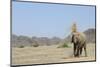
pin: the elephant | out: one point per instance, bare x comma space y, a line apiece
79, 42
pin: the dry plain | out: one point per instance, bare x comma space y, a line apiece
49, 54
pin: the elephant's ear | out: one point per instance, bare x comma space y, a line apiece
81, 36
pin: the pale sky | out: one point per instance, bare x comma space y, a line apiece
49, 20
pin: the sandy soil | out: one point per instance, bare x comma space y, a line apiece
49, 54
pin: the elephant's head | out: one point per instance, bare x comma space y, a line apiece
75, 38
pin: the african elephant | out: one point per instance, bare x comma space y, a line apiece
79, 42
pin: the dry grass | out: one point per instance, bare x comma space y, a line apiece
48, 54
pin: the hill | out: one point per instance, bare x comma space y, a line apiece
41, 41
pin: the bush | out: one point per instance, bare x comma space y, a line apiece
35, 45
21, 46
65, 45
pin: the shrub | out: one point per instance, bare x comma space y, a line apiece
35, 45
65, 45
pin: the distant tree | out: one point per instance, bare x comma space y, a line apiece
74, 28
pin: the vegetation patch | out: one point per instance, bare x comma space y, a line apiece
65, 45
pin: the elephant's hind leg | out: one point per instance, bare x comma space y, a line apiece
85, 50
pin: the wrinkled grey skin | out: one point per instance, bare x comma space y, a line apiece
79, 43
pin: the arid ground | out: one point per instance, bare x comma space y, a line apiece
49, 54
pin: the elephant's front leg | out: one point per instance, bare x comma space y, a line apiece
75, 50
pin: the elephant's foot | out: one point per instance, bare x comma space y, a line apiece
76, 56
